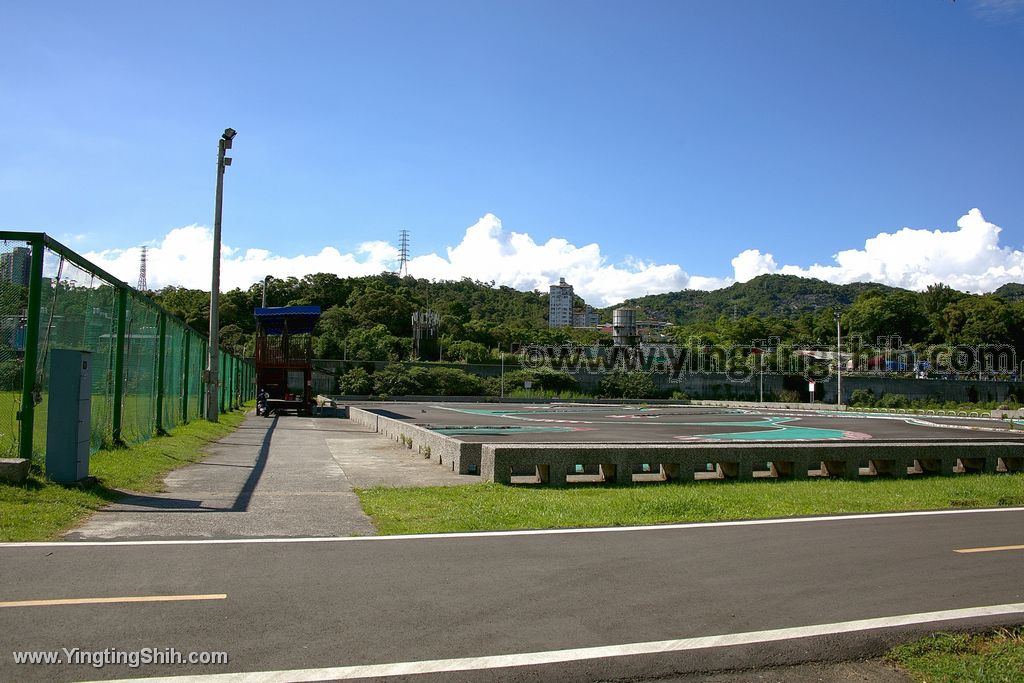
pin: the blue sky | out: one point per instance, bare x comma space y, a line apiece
671, 135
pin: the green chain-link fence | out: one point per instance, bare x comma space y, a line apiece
147, 366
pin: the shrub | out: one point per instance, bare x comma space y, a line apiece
626, 385
356, 381
862, 397
789, 396
395, 380
893, 401
449, 382
541, 379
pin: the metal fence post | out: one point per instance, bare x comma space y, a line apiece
122, 313
186, 342
162, 327
35, 295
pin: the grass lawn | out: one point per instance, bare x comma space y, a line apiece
486, 507
987, 658
39, 509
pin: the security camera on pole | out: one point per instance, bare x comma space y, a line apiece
213, 360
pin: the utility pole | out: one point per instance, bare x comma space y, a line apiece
839, 360
502, 375
213, 357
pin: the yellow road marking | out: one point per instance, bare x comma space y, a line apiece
990, 549
100, 601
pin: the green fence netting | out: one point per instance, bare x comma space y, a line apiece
141, 345
15, 257
197, 362
78, 310
147, 365
174, 373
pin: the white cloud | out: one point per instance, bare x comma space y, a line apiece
968, 258
486, 252
999, 10
751, 263
182, 258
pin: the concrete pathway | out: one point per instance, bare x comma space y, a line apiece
282, 477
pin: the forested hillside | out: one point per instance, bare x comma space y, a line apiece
777, 296
369, 318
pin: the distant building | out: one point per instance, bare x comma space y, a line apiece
560, 305
585, 317
14, 266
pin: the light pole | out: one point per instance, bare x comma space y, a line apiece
760, 366
213, 359
503, 375
266, 281
839, 360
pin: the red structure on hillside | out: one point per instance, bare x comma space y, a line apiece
284, 355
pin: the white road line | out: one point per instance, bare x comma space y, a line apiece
521, 532
586, 653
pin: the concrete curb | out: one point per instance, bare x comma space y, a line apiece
461, 456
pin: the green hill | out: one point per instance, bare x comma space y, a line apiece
775, 296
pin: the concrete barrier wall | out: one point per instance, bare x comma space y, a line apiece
618, 463
460, 456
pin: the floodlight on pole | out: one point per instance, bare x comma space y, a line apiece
213, 350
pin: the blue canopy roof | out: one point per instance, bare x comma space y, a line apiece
299, 319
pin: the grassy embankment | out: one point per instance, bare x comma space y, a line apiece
39, 509
487, 507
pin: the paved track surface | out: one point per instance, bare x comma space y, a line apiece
566, 423
286, 476
377, 600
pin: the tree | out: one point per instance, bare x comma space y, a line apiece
879, 313
376, 343
191, 305
467, 352
382, 305
979, 320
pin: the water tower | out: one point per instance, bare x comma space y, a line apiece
624, 332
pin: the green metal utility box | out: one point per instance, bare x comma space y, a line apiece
68, 416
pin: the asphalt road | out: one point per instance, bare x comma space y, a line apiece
555, 423
294, 605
